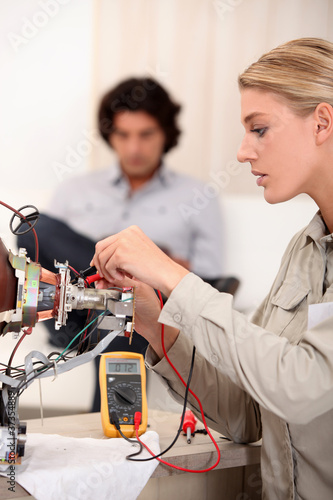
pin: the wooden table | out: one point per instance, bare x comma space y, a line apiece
237, 472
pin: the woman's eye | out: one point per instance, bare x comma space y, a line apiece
259, 131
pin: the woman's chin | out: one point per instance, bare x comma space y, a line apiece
273, 198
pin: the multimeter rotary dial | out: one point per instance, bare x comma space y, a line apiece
124, 395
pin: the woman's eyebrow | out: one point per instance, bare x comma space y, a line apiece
255, 114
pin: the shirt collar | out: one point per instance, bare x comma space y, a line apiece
317, 229
116, 175
162, 175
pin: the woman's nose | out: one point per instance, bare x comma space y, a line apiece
245, 152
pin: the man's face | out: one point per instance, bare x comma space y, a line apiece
139, 141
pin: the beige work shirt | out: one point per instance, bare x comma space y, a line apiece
271, 376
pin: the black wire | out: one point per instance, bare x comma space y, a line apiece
87, 272
56, 353
41, 369
20, 369
95, 327
47, 367
30, 219
129, 457
25, 381
25, 219
44, 367
79, 345
115, 421
23, 385
15, 368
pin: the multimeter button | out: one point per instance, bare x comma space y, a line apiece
125, 395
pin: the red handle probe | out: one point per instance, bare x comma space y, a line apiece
189, 424
92, 278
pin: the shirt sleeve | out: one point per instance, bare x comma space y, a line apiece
207, 243
225, 405
292, 381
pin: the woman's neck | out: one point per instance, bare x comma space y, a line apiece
326, 210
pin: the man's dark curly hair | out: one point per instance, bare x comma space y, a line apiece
140, 94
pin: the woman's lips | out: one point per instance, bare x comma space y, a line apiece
260, 179
260, 176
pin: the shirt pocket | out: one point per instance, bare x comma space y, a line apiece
289, 310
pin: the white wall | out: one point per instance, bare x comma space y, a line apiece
45, 95
256, 236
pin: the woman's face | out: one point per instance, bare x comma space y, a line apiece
278, 144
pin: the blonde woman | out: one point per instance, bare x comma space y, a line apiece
271, 377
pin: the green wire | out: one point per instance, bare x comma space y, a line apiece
76, 336
44, 368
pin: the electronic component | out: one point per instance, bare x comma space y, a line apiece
122, 377
36, 294
30, 293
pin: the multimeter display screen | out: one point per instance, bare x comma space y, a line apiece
122, 366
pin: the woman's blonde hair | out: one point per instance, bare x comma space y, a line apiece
300, 71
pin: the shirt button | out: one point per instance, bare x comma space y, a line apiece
177, 317
214, 359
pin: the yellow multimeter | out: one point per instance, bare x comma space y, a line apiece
122, 380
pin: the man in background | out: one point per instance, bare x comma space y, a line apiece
138, 120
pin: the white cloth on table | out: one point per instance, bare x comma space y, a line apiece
70, 468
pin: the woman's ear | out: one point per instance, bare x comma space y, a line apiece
323, 116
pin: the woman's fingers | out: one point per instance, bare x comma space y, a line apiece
132, 253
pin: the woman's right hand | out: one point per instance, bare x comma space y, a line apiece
131, 253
